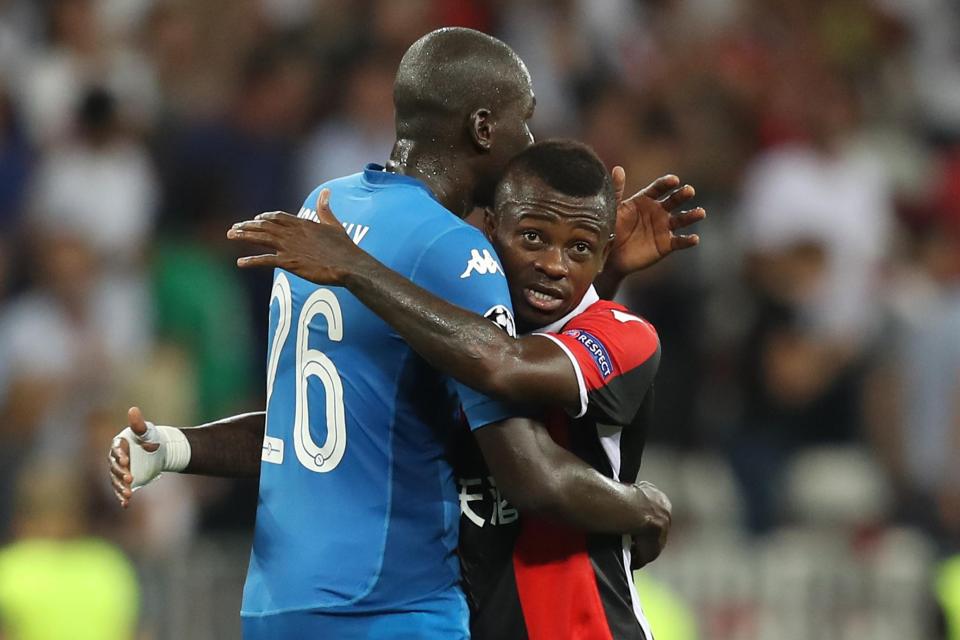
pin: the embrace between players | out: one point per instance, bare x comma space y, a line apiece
424, 473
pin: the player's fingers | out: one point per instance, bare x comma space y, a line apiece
265, 260
118, 455
324, 213
122, 498
684, 241
278, 217
119, 449
619, 177
662, 186
256, 224
120, 489
687, 218
678, 197
136, 421
120, 473
266, 237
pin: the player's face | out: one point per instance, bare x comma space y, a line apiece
552, 247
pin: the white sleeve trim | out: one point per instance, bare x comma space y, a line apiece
576, 367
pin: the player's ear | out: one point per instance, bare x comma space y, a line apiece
480, 126
490, 220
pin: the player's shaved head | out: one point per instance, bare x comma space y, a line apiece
448, 74
463, 100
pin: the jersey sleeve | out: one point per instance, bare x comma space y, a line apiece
615, 355
461, 267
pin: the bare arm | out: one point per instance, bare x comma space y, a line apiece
466, 346
541, 477
228, 448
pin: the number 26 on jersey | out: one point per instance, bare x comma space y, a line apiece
320, 458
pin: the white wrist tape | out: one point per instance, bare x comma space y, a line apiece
173, 453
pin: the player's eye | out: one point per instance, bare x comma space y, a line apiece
581, 247
530, 236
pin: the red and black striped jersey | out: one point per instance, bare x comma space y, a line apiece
529, 578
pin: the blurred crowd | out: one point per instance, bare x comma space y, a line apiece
820, 313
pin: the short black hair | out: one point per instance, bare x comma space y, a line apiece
570, 167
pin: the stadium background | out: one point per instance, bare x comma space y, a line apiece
809, 394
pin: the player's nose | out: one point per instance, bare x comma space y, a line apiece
551, 263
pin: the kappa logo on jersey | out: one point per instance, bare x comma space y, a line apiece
503, 318
597, 351
482, 263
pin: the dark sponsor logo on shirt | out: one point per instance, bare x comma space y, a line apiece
596, 349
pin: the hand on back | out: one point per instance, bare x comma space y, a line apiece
319, 251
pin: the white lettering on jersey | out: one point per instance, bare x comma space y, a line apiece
624, 317
502, 513
466, 498
482, 263
355, 231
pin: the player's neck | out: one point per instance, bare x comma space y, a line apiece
437, 171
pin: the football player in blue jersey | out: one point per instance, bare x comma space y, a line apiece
356, 528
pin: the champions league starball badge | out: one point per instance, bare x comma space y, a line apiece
503, 318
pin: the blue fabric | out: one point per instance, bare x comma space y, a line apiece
372, 533
413, 624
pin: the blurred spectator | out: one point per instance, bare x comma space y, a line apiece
394, 25
15, 161
915, 401
934, 59
100, 188
948, 596
218, 171
824, 193
20, 25
101, 185
80, 55
556, 53
16, 158
361, 129
670, 617
62, 346
56, 581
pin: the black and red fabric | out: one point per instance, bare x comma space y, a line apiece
535, 579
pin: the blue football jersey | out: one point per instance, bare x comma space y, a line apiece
358, 512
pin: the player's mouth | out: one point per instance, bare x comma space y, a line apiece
543, 299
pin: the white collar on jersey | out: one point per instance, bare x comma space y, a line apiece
588, 299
